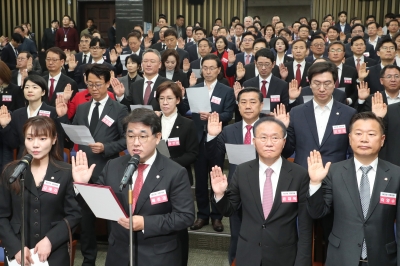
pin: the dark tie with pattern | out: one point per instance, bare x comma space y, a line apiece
365, 199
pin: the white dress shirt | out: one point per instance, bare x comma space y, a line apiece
167, 123
276, 166
101, 107
56, 79
279, 61
393, 100
87, 57
373, 42
302, 67
361, 60
151, 85
321, 117
260, 82
100, 62
35, 113
169, 74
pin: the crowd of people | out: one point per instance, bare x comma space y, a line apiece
325, 93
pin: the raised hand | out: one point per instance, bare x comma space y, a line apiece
118, 48
72, 63
67, 93
5, 117
124, 42
379, 108
283, 71
29, 65
24, 74
43, 248
68, 54
219, 182
342, 36
214, 126
294, 90
113, 56
118, 87
81, 172
237, 88
280, 114
240, 71
231, 57
363, 72
181, 87
150, 34
61, 105
181, 43
186, 65
363, 90
192, 80
147, 42
316, 169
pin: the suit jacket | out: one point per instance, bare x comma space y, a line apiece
279, 239
192, 50
302, 134
14, 135
16, 100
350, 62
158, 244
347, 27
62, 82
368, 49
195, 64
112, 137
340, 191
224, 108
292, 74
390, 151
338, 95
9, 57
373, 79
157, 45
348, 81
124, 80
250, 72
310, 58
111, 34
178, 76
48, 39
79, 58
182, 55
44, 213
29, 46
183, 31
276, 87
231, 71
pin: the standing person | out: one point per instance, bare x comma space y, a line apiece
342, 24
45, 230
133, 64
89, 24
179, 26
112, 35
221, 43
170, 68
275, 230
9, 53
67, 37
156, 227
362, 192
49, 36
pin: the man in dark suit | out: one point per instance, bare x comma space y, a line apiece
48, 39
317, 49
179, 26
204, 48
250, 102
27, 44
155, 225
103, 116
134, 43
222, 31
362, 191
84, 56
358, 49
193, 47
222, 102
276, 228
369, 51
342, 24
160, 46
9, 53
56, 81
111, 34
171, 39
214, 34
245, 57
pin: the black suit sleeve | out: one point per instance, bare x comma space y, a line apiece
115, 147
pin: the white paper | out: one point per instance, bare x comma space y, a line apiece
133, 107
267, 106
240, 153
307, 98
341, 89
101, 200
78, 134
197, 73
163, 149
199, 99
35, 258
123, 57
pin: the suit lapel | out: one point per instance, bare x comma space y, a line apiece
333, 118
30, 182
310, 117
175, 128
238, 132
108, 106
254, 184
290, 71
137, 93
350, 180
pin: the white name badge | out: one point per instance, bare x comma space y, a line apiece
7, 98
275, 98
339, 129
44, 113
107, 120
289, 196
173, 142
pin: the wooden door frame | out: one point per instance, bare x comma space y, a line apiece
80, 10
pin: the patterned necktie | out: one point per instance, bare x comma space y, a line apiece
298, 74
264, 88
51, 90
247, 137
138, 185
267, 199
358, 63
247, 59
94, 120
147, 93
365, 199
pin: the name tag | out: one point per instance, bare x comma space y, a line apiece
155, 94
366, 54
388, 198
173, 142
216, 100
339, 129
65, 39
224, 60
50, 187
347, 80
107, 120
44, 113
7, 98
158, 197
275, 98
289, 196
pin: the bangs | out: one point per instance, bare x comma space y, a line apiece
40, 126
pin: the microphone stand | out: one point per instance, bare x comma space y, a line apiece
130, 224
22, 184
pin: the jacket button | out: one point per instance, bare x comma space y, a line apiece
36, 211
36, 224
263, 227
37, 235
359, 245
259, 244
36, 199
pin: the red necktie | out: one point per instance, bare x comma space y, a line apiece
358, 64
264, 88
247, 60
138, 185
247, 137
147, 92
51, 91
267, 199
298, 75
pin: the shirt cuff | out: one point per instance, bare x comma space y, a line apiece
120, 98
361, 101
216, 200
291, 101
210, 138
314, 188
350, 101
229, 64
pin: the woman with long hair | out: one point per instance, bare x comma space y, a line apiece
49, 198
170, 67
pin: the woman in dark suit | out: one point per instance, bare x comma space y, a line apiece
45, 230
221, 43
180, 135
281, 46
170, 68
35, 90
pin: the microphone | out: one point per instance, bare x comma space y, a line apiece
25, 161
130, 169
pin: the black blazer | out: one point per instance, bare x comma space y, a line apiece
390, 151
192, 51
188, 149
348, 80
79, 58
347, 27
157, 45
111, 34
14, 136
178, 76
279, 238
48, 39
231, 71
292, 75
373, 79
350, 62
195, 64
17, 97
62, 82
162, 222
8, 56
337, 95
44, 213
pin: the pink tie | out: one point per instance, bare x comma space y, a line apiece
267, 193
247, 59
147, 93
358, 64
247, 137
51, 91
138, 185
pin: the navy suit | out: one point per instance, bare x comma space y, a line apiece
369, 49
231, 70
192, 50
373, 79
347, 27
292, 74
369, 61
9, 57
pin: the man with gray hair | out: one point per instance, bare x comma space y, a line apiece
248, 21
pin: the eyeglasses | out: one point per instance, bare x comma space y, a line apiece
209, 68
385, 48
247, 40
20, 58
357, 31
359, 45
336, 50
274, 139
93, 85
96, 47
392, 76
318, 45
264, 65
318, 85
169, 99
142, 139
52, 60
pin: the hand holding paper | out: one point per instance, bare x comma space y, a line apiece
78, 134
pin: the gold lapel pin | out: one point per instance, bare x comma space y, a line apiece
52, 177
386, 179
337, 113
177, 126
157, 176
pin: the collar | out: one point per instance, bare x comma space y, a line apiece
212, 85
151, 160
388, 97
268, 79
302, 63
328, 105
245, 55
374, 164
102, 102
340, 66
56, 77
276, 166
170, 71
101, 61
153, 79
244, 124
87, 54
137, 52
361, 57
172, 116
12, 46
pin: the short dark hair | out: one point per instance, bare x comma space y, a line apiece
251, 89
326, 16
28, 54
87, 36
280, 21
171, 32
165, 55
134, 33
390, 15
356, 38
69, 17
215, 20
239, 24
265, 52
366, 116
358, 25
58, 51
269, 26
20, 28
223, 28
17, 37
383, 71
261, 40
342, 12
270, 119
336, 42
383, 41
394, 20
195, 29
223, 39
333, 28
370, 16
138, 25
322, 67
162, 17
169, 85
305, 26
40, 81
374, 22
318, 33
205, 40
145, 116
134, 58
252, 27
300, 40
285, 30
235, 18
95, 41
212, 57
296, 22
55, 20
256, 17
285, 42
180, 16
248, 33
99, 70
90, 19
316, 37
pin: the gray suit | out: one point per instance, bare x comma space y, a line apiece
124, 81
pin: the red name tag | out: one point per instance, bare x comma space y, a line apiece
7, 98
388, 198
44, 113
339, 129
173, 142
275, 98
216, 100
107, 120
158, 197
289, 196
50, 187
347, 80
